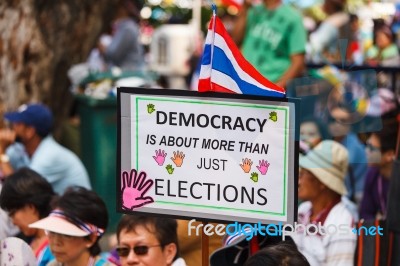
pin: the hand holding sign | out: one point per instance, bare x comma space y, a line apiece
263, 167
160, 157
178, 158
134, 186
246, 166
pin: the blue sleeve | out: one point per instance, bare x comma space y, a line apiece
45, 257
17, 155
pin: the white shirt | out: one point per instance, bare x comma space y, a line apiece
179, 262
329, 249
7, 228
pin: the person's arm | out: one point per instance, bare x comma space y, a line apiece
297, 37
239, 29
5, 166
295, 70
125, 39
7, 137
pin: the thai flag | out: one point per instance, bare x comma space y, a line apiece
236, 3
224, 69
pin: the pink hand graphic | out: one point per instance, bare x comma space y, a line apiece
134, 186
160, 157
263, 167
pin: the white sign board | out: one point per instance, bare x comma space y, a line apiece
216, 158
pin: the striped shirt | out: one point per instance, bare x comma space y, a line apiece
330, 248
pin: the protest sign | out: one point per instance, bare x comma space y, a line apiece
211, 156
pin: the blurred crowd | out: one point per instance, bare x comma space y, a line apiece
348, 135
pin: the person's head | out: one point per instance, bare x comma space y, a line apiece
312, 131
333, 6
76, 224
282, 254
354, 23
381, 145
30, 121
339, 124
26, 196
147, 240
383, 37
129, 8
322, 171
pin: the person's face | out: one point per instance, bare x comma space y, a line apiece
69, 250
23, 132
327, 7
355, 25
155, 256
23, 217
382, 40
309, 133
373, 150
309, 186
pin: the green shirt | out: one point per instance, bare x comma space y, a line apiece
271, 37
387, 53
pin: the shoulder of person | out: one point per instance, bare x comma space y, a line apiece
304, 207
338, 19
179, 262
103, 262
371, 176
256, 10
339, 214
392, 50
291, 12
53, 263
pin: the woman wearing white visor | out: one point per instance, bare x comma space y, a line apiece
74, 228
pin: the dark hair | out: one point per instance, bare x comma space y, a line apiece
388, 134
25, 187
337, 5
282, 254
165, 229
132, 8
353, 17
385, 29
87, 206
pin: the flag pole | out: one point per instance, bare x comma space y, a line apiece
204, 247
214, 10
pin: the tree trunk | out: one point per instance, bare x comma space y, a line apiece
40, 40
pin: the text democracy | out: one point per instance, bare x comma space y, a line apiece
215, 121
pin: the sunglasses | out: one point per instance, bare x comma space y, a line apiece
139, 250
371, 147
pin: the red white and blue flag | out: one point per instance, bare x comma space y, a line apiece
224, 69
236, 3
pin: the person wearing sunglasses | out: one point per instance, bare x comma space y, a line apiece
381, 153
148, 241
74, 227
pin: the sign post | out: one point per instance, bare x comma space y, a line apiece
210, 156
